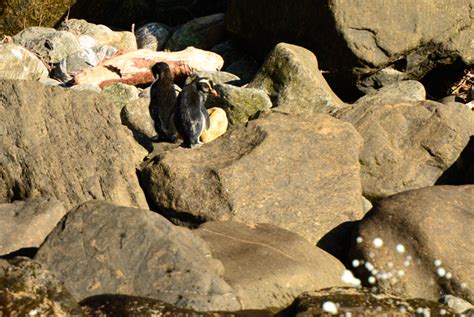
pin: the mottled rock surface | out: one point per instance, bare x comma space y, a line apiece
16, 62
152, 36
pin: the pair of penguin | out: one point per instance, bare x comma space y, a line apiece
185, 114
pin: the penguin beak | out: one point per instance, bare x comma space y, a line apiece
214, 93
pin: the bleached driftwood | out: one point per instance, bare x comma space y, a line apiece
133, 67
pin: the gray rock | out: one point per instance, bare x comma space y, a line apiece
152, 36
100, 248
87, 87
403, 91
290, 76
362, 302
104, 51
16, 62
120, 94
229, 52
136, 116
25, 224
268, 266
290, 171
408, 145
68, 144
240, 104
218, 77
204, 33
419, 243
66, 69
103, 35
246, 68
459, 305
49, 45
30, 290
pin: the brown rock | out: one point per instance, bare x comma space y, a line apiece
218, 126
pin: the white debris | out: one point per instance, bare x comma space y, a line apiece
371, 280
400, 248
359, 239
330, 307
442, 311
348, 278
441, 271
355, 263
437, 262
377, 242
33, 312
369, 266
401, 272
448, 275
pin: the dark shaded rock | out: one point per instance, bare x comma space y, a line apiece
100, 248
230, 52
246, 68
407, 145
419, 243
27, 289
152, 36
268, 266
25, 224
290, 76
203, 33
290, 171
136, 116
16, 62
124, 305
361, 302
403, 91
70, 145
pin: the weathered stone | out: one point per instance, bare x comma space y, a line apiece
240, 104
408, 145
103, 35
68, 144
27, 289
246, 68
100, 248
49, 45
290, 76
268, 266
69, 67
133, 68
25, 224
459, 305
152, 36
16, 62
86, 87
229, 51
419, 243
404, 91
120, 94
104, 51
217, 77
136, 116
361, 302
203, 33
290, 171
218, 125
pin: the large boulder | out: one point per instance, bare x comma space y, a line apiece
28, 289
100, 248
152, 36
268, 266
300, 173
407, 145
419, 243
292, 79
354, 40
68, 144
16, 62
25, 224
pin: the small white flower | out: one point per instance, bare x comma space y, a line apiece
330, 307
355, 263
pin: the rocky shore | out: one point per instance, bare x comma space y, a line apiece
336, 178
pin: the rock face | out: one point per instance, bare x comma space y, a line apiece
291, 77
419, 243
356, 39
67, 144
403, 91
289, 171
25, 224
99, 248
408, 145
152, 36
268, 266
30, 290
120, 94
360, 302
136, 116
16, 62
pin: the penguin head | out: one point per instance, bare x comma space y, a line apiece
160, 70
205, 85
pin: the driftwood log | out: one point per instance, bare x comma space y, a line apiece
133, 67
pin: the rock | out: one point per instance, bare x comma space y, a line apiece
120, 94
218, 127
69, 67
407, 145
49, 45
360, 302
459, 305
152, 36
102, 35
217, 77
136, 116
290, 171
229, 51
25, 224
17, 62
30, 290
240, 104
353, 42
203, 33
418, 243
100, 248
104, 52
268, 266
87, 87
133, 68
246, 68
68, 144
50, 82
123, 305
291, 77
403, 91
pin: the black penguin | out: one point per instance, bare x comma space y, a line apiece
191, 117
163, 102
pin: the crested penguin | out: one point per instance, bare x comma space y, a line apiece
163, 102
191, 117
